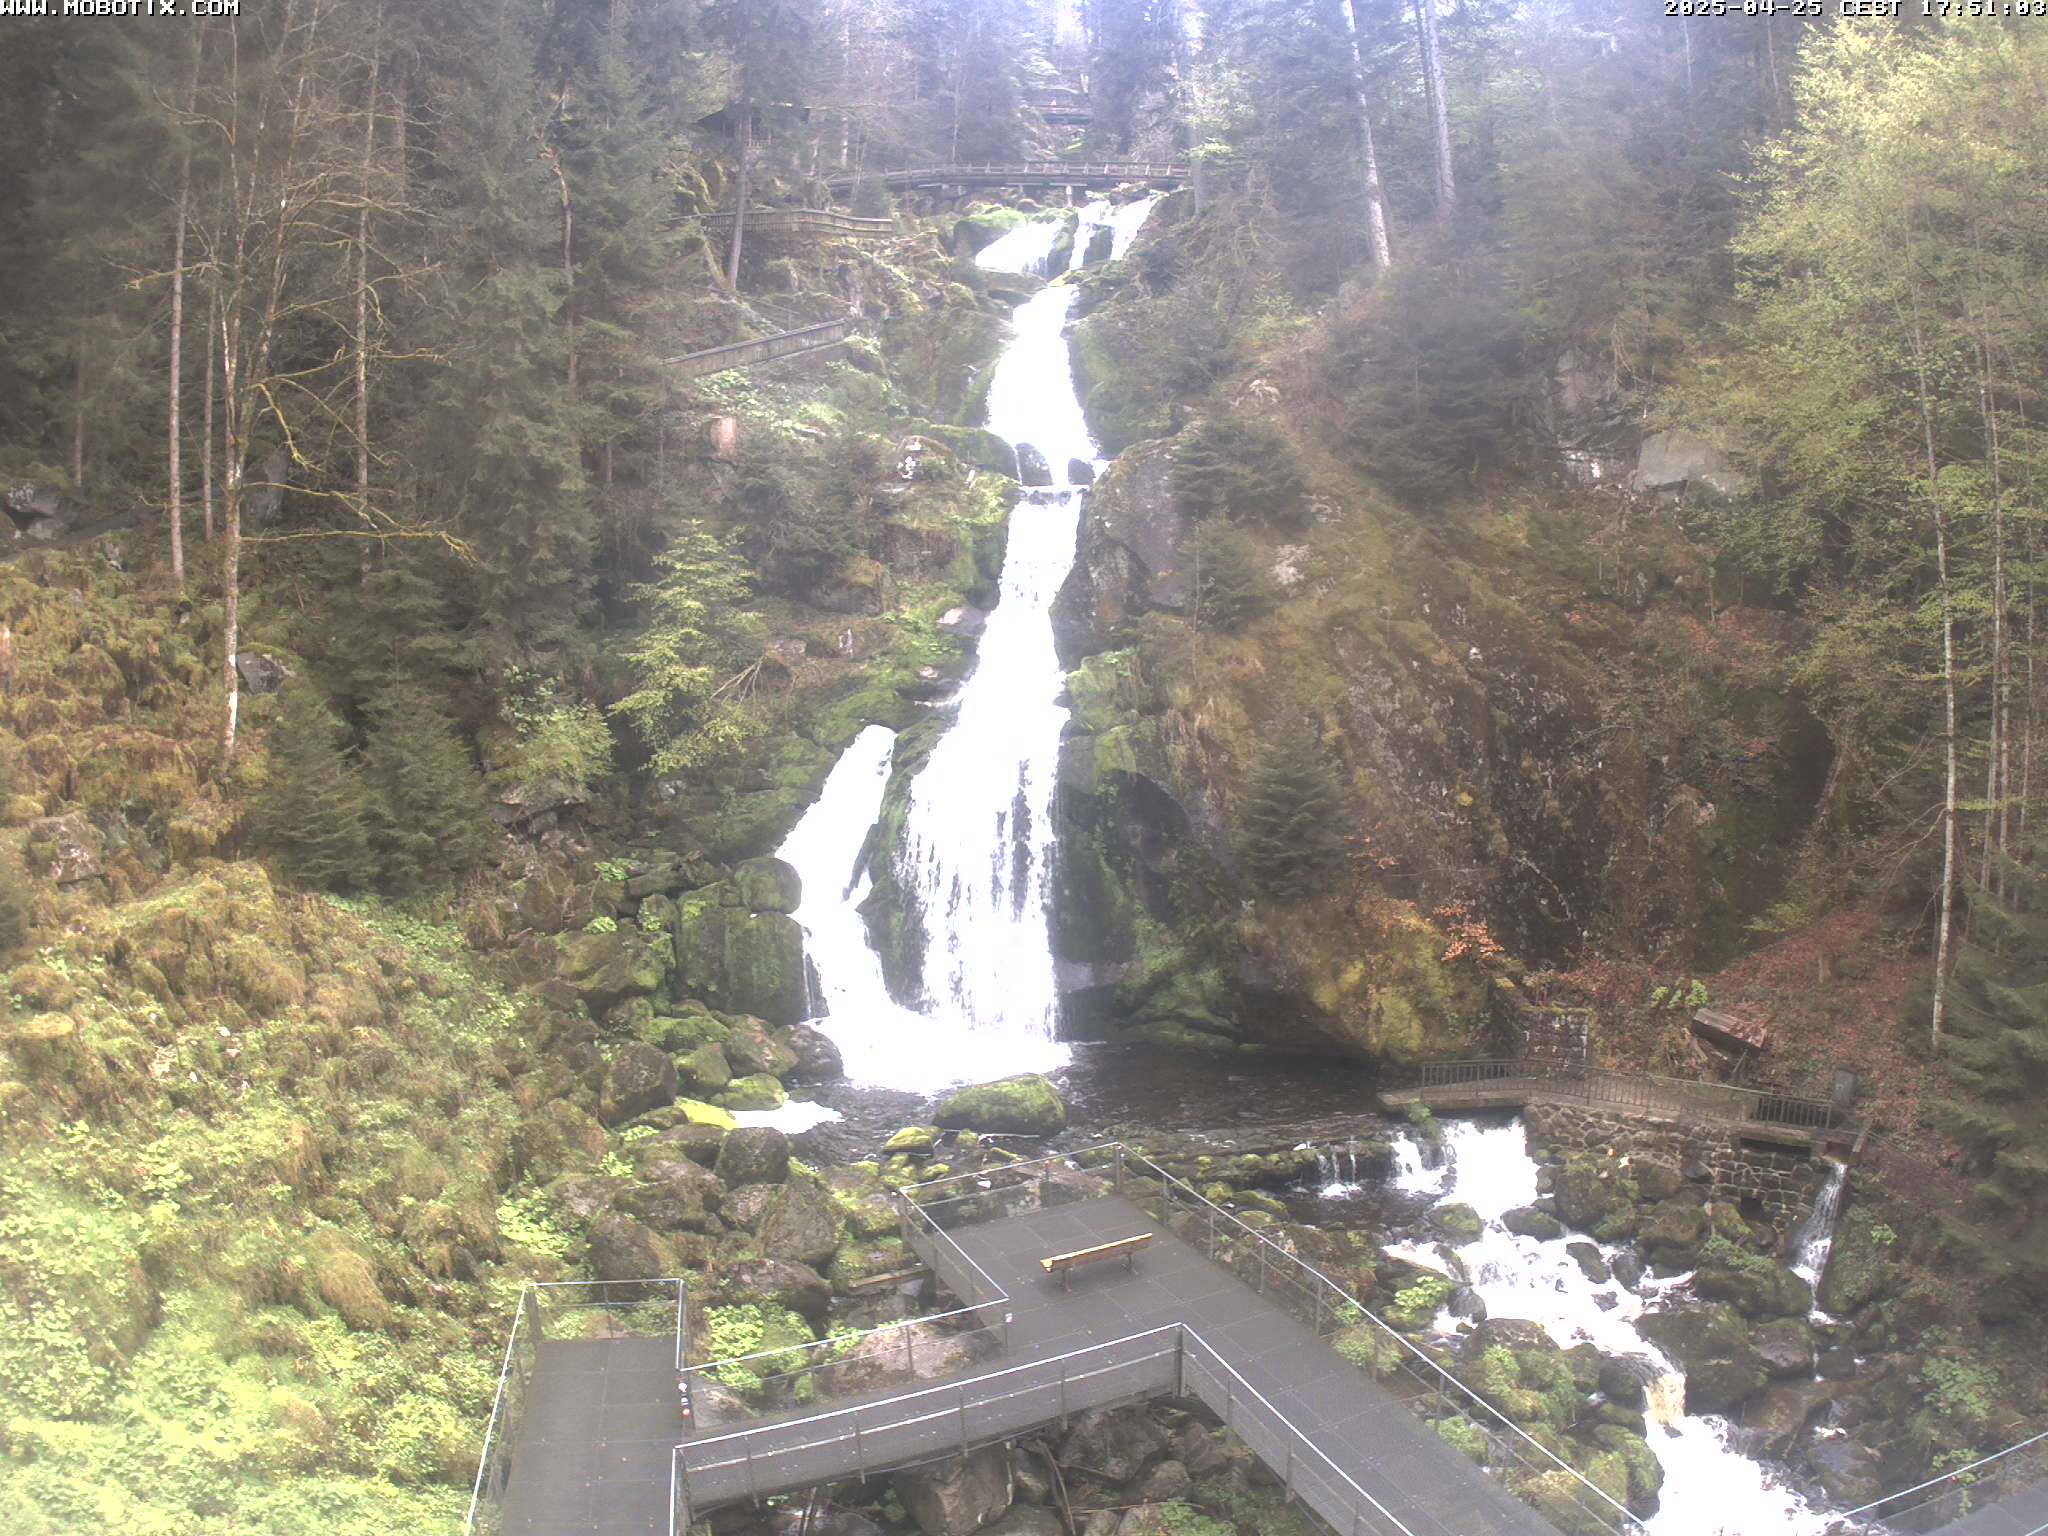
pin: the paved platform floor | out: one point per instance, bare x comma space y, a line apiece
595, 1441
2024, 1514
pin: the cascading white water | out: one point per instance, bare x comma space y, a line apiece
977, 839
1337, 1168
1709, 1489
1817, 1234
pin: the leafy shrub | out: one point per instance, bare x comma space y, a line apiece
565, 744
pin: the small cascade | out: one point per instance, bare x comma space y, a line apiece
1816, 1236
1337, 1170
1709, 1486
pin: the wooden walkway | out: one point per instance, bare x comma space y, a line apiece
1023, 173
806, 221
806, 341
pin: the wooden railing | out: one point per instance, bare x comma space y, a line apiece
1047, 172
1682, 1098
764, 349
806, 221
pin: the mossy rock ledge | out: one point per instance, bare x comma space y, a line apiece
1025, 1105
737, 947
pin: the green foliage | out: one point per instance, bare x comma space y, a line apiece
1962, 1391
1294, 814
526, 1220
565, 744
430, 822
1680, 994
871, 199
315, 815
1237, 467
698, 631
1233, 580
602, 924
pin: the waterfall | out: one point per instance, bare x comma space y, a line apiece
1817, 1233
1709, 1488
1337, 1170
977, 839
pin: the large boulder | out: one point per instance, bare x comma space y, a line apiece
778, 1281
817, 1058
1131, 559
623, 1249
1117, 1443
960, 1495
1755, 1286
751, 1050
754, 1154
639, 1078
767, 885
738, 960
1025, 1105
1032, 467
1712, 1343
1674, 462
606, 966
894, 1357
1595, 1195
65, 848
800, 1225
675, 1195
1785, 1346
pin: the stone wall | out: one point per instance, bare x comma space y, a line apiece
1774, 1186
1552, 1039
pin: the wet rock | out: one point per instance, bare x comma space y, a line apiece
699, 1143
753, 1050
1023, 1520
1115, 1444
817, 1058
1755, 1286
1673, 1232
1712, 1343
978, 447
895, 1357
1626, 1380
704, 1070
800, 1225
676, 1196
262, 674
1080, 472
1587, 1257
1025, 1105
747, 1204
1656, 1179
65, 848
1527, 1221
623, 1249
1851, 1473
1859, 1266
1130, 560
740, 961
754, 1154
1644, 1472
960, 1495
755, 1091
1469, 1304
1785, 1346
1628, 1269
767, 885
1594, 1196
638, 1079
1777, 1422
912, 1138
604, 968
1032, 467
1457, 1221
797, 1287
1167, 1480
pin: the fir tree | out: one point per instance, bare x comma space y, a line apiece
430, 821
1237, 468
315, 811
1234, 584
1294, 812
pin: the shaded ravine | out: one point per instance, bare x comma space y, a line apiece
977, 840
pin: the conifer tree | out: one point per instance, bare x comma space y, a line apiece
315, 811
429, 820
1237, 468
1294, 811
1233, 584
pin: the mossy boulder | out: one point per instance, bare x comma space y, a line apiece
604, 966
1527, 1221
638, 1078
1457, 1221
1416, 1304
754, 1154
675, 1195
912, 1138
801, 1225
1025, 1105
750, 1049
1712, 1343
756, 1091
1860, 1267
1755, 1286
1673, 1231
767, 885
740, 961
705, 1069
1596, 1195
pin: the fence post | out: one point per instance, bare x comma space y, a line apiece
751, 1494
860, 1460
910, 1352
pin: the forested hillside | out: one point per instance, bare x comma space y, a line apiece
1565, 538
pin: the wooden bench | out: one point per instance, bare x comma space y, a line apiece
1064, 1264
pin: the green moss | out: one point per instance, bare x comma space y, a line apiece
1416, 1305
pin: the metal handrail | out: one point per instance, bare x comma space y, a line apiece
1787, 1108
483, 1461
1629, 1522
1949, 1476
696, 360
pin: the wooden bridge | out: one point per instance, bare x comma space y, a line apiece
1024, 173
1761, 1114
589, 1439
828, 222
805, 341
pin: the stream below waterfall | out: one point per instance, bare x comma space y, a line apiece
1710, 1487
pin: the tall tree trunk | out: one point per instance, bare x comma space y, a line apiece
739, 206
176, 498
1440, 116
568, 257
206, 421
362, 336
78, 419
1939, 1009
1375, 199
